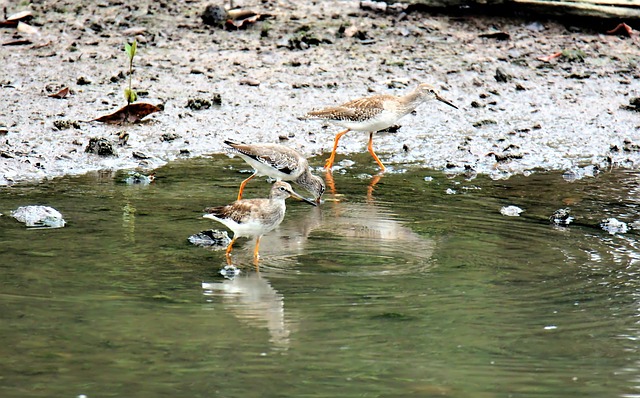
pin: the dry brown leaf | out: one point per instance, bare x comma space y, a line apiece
240, 14
130, 113
60, 94
548, 58
241, 24
621, 29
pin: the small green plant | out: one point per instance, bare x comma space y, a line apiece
132, 112
129, 94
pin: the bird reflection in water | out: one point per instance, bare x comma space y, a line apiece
332, 185
251, 299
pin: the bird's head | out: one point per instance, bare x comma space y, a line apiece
427, 91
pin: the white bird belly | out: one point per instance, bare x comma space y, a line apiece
265, 169
247, 229
380, 122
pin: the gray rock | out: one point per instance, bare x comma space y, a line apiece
39, 216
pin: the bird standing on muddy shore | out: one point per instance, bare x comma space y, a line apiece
373, 114
279, 162
254, 217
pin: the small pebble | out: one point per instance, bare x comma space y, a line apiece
511, 211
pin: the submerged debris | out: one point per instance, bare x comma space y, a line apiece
139, 178
39, 216
213, 238
561, 217
229, 271
613, 226
511, 211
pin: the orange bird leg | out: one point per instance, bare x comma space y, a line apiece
227, 253
329, 163
255, 250
245, 183
375, 157
330, 183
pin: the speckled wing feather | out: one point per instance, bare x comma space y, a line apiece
283, 161
240, 211
356, 111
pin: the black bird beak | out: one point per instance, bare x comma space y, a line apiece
439, 98
302, 198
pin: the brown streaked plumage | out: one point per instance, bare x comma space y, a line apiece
279, 162
254, 217
373, 114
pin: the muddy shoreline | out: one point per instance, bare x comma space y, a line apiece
518, 113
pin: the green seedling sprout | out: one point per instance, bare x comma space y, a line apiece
129, 94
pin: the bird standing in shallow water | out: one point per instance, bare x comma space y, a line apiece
279, 162
373, 114
254, 217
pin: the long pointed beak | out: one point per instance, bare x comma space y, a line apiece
439, 98
302, 198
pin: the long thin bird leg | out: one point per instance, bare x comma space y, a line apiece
245, 183
256, 256
328, 176
329, 163
227, 253
375, 157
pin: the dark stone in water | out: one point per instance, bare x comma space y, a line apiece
561, 217
393, 316
100, 146
210, 238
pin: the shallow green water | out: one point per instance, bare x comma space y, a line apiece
403, 292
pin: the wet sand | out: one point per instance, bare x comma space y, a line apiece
565, 114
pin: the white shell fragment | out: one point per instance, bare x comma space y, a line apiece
39, 216
511, 211
613, 226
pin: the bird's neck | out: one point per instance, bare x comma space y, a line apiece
276, 201
409, 102
305, 179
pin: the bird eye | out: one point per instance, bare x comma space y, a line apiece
283, 189
432, 91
